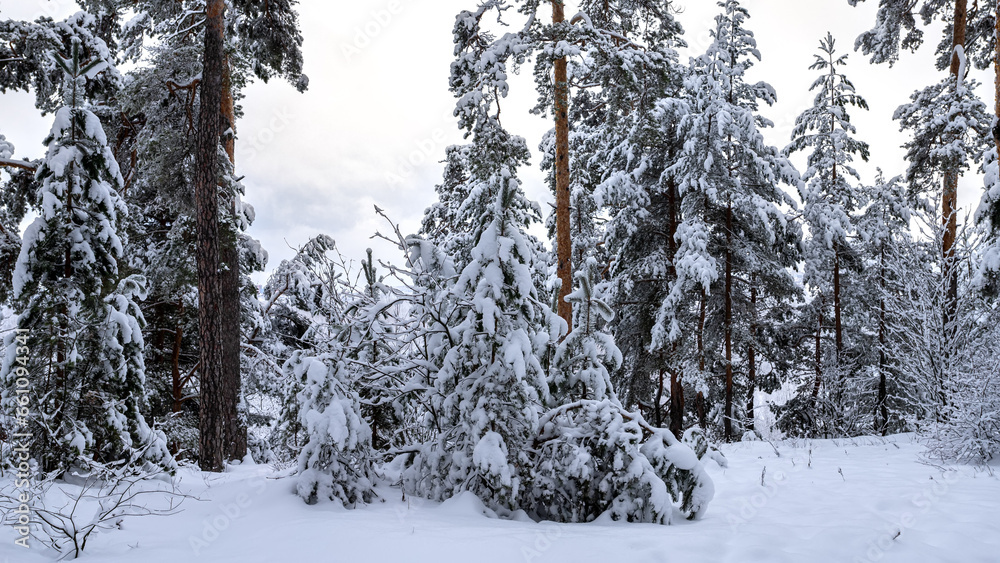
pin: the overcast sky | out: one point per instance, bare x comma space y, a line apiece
376, 119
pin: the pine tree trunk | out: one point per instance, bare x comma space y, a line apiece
564, 247
752, 355
727, 423
949, 214
883, 395
175, 359
236, 432
996, 80
838, 327
659, 400
676, 404
819, 352
212, 415
700, 399
676, 388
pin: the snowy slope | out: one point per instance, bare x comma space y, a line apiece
869, 499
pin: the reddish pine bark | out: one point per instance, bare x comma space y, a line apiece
564, 247
211, 418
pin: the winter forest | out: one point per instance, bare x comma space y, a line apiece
653, 332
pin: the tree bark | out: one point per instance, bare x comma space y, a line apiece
752, 355
175, 359
564, 247
996, 80
659, 399
883, 395
727, 423
700, 399
949, 199
838, 329
676, 387
236, 432
212, 415
819, 352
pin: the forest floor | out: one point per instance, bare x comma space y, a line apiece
796, 501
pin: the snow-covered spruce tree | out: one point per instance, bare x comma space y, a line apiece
443, 224
374, 349
29, 49
591, 456
78, 316
490, 386
305, 309
336, 462
829, 198
735, 244
594, 458
583, 361
15, 193
881, 385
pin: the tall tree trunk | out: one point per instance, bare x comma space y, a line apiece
838, 330
236, 432
949, 217
676, 404
212, 415
838, 327
752, 354
996, 80
659, 400
727, 423
700, 399
676, 387
949, 199
883, 396
819, 351
175, 359
564, 247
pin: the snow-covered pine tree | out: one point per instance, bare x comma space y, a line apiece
583, 361
883, 224
15, 194
829, 198
305, 310
489, 389
623, 59
950, 129
374, 343
969, 39
336, 460
491, 384
594, 458
442, 223
78, 314
735, 243
591, 456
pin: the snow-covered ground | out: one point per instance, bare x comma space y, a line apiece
869, 499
